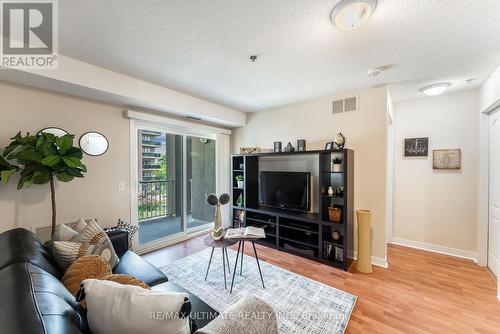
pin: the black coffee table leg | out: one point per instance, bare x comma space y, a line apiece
235, 266
258, 265
227, 260
224, 267
242, 252
209, 261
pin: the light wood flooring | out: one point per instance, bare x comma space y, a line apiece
420, 292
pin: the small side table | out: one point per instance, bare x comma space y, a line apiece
223, 244
241, 245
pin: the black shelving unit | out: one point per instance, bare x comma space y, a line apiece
308, 234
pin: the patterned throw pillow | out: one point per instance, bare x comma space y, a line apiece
131, 229
66, 252
91, 240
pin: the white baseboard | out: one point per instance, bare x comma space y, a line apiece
376, 261
464, 254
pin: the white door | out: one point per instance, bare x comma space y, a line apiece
494, 205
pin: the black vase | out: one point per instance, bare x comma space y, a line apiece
277, 146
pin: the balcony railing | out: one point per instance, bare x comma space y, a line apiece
151, 166
151, 154
153, 199
152, 142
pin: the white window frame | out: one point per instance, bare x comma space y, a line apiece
146, 121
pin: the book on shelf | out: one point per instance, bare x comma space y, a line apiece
248, 232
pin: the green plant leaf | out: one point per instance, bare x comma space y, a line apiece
40, 178
64, 177
51, 160
73, 162
64, 143
39, 141
74, 152
6, 174
74, 172
30, 155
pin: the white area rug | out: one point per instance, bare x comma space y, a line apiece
301, 304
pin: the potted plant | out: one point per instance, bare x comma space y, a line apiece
239, 180
41, 159
239, 201
337, 164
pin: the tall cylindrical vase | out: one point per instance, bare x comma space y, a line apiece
364, 264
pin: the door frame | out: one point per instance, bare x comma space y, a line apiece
139, 120
483, 216
495, 112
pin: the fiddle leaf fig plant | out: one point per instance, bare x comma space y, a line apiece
41, 159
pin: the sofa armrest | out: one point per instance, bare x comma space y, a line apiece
249, 313
119, 239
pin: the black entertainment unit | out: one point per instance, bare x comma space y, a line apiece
304, 233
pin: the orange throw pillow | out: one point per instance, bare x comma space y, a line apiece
85, 267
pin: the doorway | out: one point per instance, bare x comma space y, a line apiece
173, 172
494, 196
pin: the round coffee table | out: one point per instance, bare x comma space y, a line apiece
223, 244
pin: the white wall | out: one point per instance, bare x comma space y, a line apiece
96, 195
366, 133
432, 207
82, 79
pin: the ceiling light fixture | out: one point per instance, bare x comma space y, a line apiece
351, 14
435, 89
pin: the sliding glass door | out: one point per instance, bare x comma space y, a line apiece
200, 179
175, 172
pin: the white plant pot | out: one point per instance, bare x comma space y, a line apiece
240, 184
337, 167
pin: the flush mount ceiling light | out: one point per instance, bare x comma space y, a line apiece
435, 89
351, 14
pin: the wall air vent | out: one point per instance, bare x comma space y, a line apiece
347, 104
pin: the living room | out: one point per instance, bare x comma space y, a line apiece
360, 137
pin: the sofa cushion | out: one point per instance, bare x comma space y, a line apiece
20, 245
115, 308
34, 301
134, 265
201, 313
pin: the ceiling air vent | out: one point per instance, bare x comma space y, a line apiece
348, 104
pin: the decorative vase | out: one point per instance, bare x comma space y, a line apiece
301, 145
330, 191
289, 148
364, 264
277, 146
337, 168
217, 232
240, 184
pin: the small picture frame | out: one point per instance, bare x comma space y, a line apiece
339, 254
329, 146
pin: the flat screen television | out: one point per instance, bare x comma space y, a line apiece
285, 190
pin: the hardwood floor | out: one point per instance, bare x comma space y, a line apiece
420, 292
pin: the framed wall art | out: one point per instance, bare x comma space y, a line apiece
417, 147
447, 159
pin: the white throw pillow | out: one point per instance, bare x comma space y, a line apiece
64, 233
80, 225
114, 308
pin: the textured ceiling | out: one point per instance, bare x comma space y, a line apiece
202, 47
